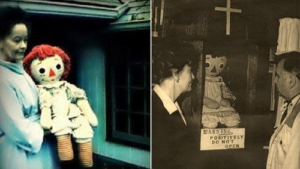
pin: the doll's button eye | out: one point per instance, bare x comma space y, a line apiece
58, 66
42, 70
221, 66
207, 64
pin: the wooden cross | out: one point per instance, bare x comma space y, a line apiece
154, 31
228, 10
158, 16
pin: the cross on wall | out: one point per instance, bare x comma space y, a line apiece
228, 10
158, 17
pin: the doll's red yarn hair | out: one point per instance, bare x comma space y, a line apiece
44, 51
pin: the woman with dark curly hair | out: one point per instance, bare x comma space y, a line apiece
173, 139
22, 141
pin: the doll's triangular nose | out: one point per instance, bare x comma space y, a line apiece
214, 70
51, 73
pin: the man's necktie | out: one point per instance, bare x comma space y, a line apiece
287, 102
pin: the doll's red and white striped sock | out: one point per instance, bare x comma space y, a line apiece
64, 146
86, 154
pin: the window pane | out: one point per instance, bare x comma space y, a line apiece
136, 56
121, 99
121, 121
137, 75
137, 124
121, 55
137, 100
120, 72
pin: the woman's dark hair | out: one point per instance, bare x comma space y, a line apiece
9, 17
169, 55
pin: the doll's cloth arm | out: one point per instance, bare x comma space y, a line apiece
45, 106
88, 112
82, 102
75, 93
45, 98
226, 93
26, 134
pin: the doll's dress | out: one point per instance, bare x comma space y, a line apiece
216, 89
61, 97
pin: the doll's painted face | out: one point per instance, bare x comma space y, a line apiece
48, 70
214, 66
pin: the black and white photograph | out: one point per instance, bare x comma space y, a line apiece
225, 84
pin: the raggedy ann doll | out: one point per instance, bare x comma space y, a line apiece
218, 99
64, 107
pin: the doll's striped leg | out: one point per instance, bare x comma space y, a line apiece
83, 137
86, 154
64, 146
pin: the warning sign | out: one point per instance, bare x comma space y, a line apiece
222, 138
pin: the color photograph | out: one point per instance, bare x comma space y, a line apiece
75, 84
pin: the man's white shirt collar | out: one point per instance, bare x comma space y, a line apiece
169, 105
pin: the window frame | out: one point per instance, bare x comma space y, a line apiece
113, 135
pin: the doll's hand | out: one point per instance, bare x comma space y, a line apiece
46, 120
87, 111
210, 103
91, 118
225, 103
